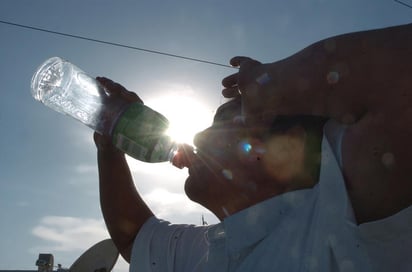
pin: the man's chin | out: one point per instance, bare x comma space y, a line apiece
195, 189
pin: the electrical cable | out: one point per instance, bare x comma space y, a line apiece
115, 44
403, 3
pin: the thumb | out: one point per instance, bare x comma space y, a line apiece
102, 142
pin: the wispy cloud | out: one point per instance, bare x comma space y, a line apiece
83, 174
61, 233
161, 186
167, 205
86, 169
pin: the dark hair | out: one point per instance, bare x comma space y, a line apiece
307, 122
312, 124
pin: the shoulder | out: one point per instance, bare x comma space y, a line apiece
376, 156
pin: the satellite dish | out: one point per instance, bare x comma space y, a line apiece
99, 258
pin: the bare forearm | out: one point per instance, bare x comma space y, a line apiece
346, 76
123, 209
361, 79
371, 93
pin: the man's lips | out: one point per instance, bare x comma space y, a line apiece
184, 156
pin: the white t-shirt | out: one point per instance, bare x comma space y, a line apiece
305, 230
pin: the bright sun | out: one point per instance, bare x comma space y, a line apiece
186, 114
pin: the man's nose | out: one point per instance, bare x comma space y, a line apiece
213, 141
209, 138
200, 138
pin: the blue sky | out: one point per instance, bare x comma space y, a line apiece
48, 173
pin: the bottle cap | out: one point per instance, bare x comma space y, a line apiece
43, 78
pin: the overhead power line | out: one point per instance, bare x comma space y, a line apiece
403, 3
114, 44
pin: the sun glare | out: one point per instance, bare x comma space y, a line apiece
186, 114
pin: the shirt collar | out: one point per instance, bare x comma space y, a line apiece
249, 226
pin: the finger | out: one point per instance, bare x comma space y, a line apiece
236, 61
230, 81
102, 141
230, 92
104, 81
114, 88
109, 85
131, 96
242, 61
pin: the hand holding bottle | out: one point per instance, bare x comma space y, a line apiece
106, 107
116, 89
113, 90
184, 153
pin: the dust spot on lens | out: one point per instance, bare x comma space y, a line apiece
332, 77
227, 174
388, 160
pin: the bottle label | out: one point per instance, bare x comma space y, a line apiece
140, 133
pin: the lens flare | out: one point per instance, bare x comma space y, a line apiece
245, 146
227, 174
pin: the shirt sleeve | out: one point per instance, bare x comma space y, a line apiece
162, 246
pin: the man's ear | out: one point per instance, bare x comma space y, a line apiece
284, 156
